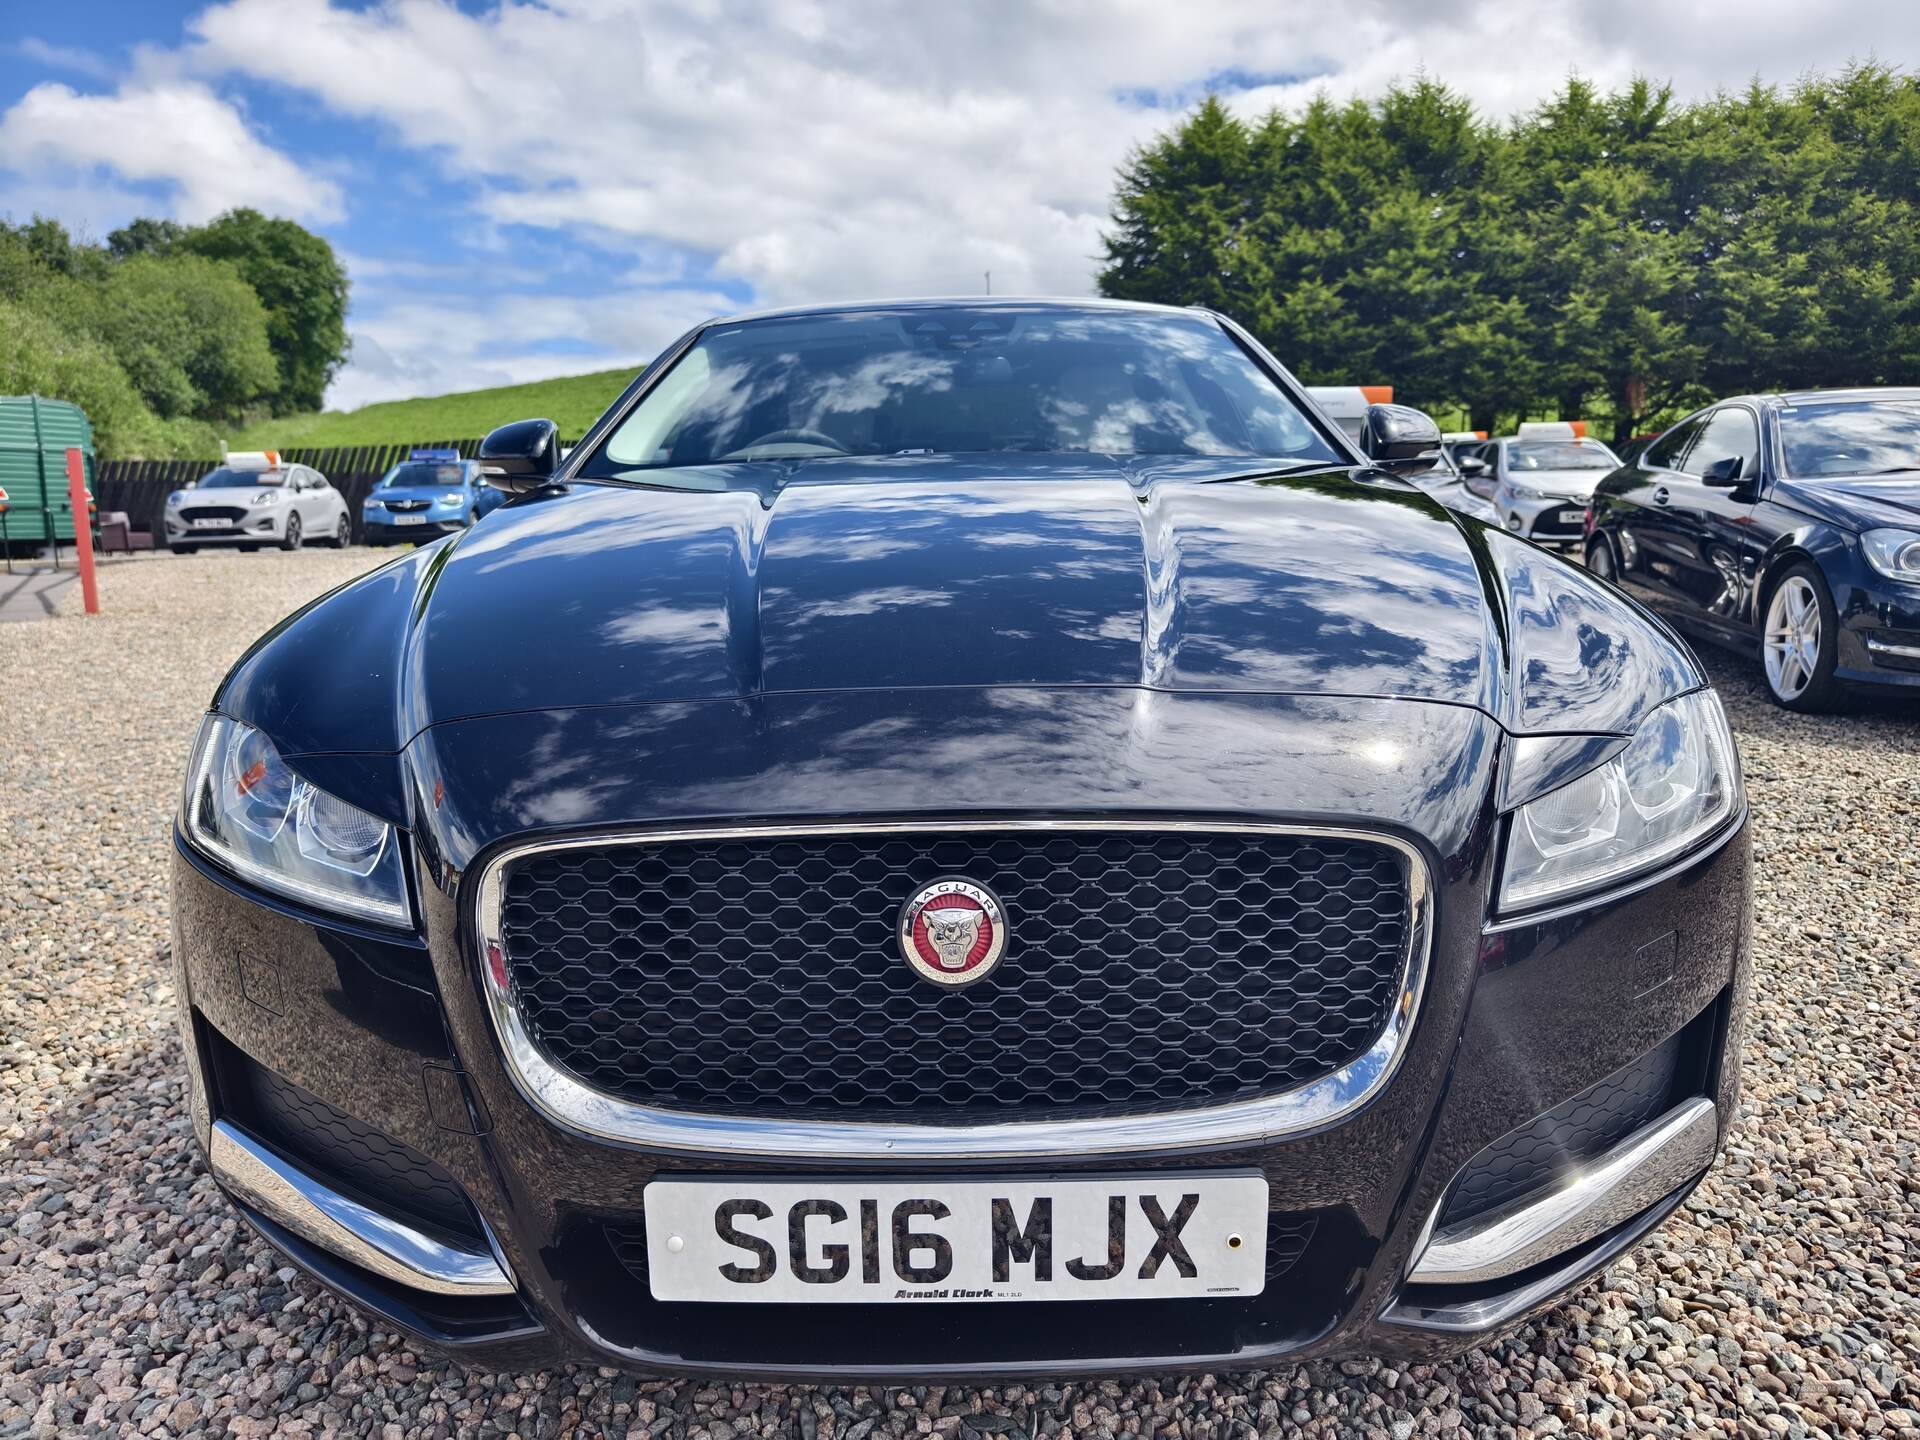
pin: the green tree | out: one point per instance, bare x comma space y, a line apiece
304, 289
191, 333
146, 237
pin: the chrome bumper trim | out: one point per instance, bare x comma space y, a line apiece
567, 1102
1639, 1172
345, 1227
1877, 646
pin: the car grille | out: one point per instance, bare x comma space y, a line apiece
1573, 1132
345, 1153
406, 507
1145, 971
233, 514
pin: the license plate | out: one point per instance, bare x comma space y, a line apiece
212, 524
1156, 1236
409, 519
1573, 517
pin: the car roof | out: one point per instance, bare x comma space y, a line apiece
1854, 392
947, 302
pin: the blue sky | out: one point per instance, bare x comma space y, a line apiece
524, 189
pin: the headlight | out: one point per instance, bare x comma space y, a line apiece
246, 809
267, 497
449, 499
1676, 782
1530, 492
177, 498
372, 504
1894, 553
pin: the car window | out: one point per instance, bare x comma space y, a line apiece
1530, 455
1868, 437
959, 379
225, 479
1729, 432
1670, 450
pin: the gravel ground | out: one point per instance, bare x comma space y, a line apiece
1784, 1300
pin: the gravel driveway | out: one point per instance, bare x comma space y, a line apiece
1784, 1300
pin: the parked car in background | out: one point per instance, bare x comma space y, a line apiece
1540, 479
943, 802
1447, 483
430, 493
1783, 524
254, 499
1455, 444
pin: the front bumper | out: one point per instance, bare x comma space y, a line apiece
257, 527
1879, 642
381, 529
393, 1031
1552, 521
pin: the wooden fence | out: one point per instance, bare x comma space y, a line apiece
141, 487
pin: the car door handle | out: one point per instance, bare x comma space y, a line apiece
1661, 495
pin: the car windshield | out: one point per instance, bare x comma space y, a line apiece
426, 473
1864, 437
225, 479
1560, 455
960, 379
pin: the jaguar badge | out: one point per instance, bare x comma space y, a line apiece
953, 932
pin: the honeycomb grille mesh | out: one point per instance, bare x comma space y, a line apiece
1596, 1119
341, 1150
1144, 971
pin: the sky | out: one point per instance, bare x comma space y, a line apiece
529, 189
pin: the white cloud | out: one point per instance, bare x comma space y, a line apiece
75, 58
438, 344
806, 150
175, 133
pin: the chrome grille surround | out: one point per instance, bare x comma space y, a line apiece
567, 1102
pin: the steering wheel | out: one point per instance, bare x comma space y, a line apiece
797, 437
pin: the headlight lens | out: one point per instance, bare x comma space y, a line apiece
246, 809
267, 497
1894, 553
177, 498
453, 499
1676, 782
372, 504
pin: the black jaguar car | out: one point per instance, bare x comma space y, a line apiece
955, 838
1783, 524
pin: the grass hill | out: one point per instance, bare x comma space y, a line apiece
572, 402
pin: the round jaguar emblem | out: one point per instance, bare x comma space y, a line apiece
953, 932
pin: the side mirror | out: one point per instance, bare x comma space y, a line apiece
1724, 474
521, 457
1472, 466
1400, 439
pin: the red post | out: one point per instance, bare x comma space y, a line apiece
82, 504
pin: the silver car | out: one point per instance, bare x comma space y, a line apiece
1540, 480
254, 500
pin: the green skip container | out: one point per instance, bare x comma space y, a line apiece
35, 435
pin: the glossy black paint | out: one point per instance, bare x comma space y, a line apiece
1704, 555
944, 573
1018, 635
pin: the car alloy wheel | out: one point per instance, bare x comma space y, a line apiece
292, 540
1797, 643
1600, 562
342, 533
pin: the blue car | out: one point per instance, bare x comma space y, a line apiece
429, 494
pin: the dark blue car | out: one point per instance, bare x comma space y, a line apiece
429, 494
1782, 525
937, 808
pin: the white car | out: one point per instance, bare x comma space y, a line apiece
1541, 479
253, 500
